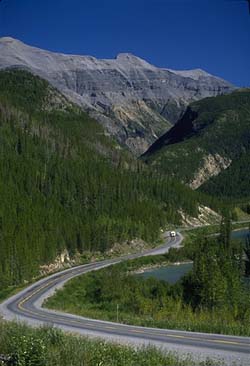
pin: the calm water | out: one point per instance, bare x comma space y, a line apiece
241, 234
170, 273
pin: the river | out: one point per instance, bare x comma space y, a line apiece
240, 234
170, 273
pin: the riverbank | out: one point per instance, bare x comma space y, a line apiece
171, 273
157, 266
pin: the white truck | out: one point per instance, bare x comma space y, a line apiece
172, 234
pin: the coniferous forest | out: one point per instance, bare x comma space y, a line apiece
65, 184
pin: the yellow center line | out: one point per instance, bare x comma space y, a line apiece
203, 339
93, 325
139, 331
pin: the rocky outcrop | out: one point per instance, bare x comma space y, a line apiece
205, 216
135, 101
212, 165
62, 261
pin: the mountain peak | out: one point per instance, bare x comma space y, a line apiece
8, 39
129, 59
126, 56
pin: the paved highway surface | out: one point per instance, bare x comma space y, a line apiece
27, 306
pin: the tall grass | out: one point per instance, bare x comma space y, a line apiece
51, 347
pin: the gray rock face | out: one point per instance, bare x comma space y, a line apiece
136, 102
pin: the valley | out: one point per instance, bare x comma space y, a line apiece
100, 160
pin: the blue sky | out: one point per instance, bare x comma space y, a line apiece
181, 34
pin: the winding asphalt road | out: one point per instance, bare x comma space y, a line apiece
27, 306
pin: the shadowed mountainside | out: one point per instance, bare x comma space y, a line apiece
209, 147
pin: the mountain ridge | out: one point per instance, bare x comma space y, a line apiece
136, 102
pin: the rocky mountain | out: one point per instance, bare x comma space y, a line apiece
135, 101
209, 147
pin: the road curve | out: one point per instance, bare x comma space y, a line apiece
27, 306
